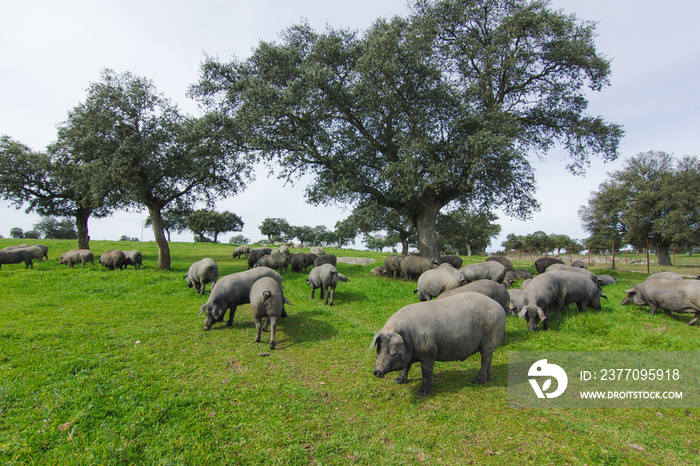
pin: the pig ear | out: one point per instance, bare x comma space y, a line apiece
396, 344
522, 312
202, 309
374, 341
631, 290
541, 313
215, 311
602, 295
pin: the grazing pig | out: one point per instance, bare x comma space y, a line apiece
241, 251
413, 266
487, 287
501, 260
606, 280
517, 301
664, 276
542, 263
202, 272
325, 259
393, 265
450, 329
275, 260
44, 249
377, 271
490, 270
230, 292
584, 272
432, 283
680, 296
299, 262
267, 300
77, 256
113, 259
15, 256
579, 264
522, 274
255, 255
134, 258
325, 277
544, 294
579, 289
454, 261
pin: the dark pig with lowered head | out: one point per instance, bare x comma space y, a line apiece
450, 329
680, 296
230, 292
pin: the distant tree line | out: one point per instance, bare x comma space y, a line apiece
47, 228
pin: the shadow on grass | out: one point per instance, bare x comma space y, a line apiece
449, 381
298, 327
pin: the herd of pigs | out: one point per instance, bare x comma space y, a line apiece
467, 316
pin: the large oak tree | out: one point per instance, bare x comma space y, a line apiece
448, 105
651, 200
159, 158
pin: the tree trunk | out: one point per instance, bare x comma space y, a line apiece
662, 255
426, 224
81, 223
469, 250
159, 233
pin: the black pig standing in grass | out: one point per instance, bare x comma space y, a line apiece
267, 300
450, 329
232, 291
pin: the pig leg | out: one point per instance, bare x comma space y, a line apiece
313, 288
697, 315
258, 329
273, 331
652, 308
426, 366
332, 292
403, 378
673, 316
484, 374
230, 316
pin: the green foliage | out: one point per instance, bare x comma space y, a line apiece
276, 229
17, 233
101, 367
52, 228
31, 234
416, 113
238, 239
157, 157
209, 221
462, 231
652, 199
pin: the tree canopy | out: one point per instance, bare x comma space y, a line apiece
157, 157
209, 221
461, 230
446, 105
652, 199
63, 181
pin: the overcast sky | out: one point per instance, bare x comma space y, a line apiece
50, 51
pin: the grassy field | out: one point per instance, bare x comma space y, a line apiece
100, 367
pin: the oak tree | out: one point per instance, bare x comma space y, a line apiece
447, 105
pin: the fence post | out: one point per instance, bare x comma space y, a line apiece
613, 255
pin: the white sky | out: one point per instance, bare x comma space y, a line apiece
50, 51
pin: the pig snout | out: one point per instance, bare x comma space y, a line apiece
379, 373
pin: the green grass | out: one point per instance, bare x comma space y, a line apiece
100, 367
